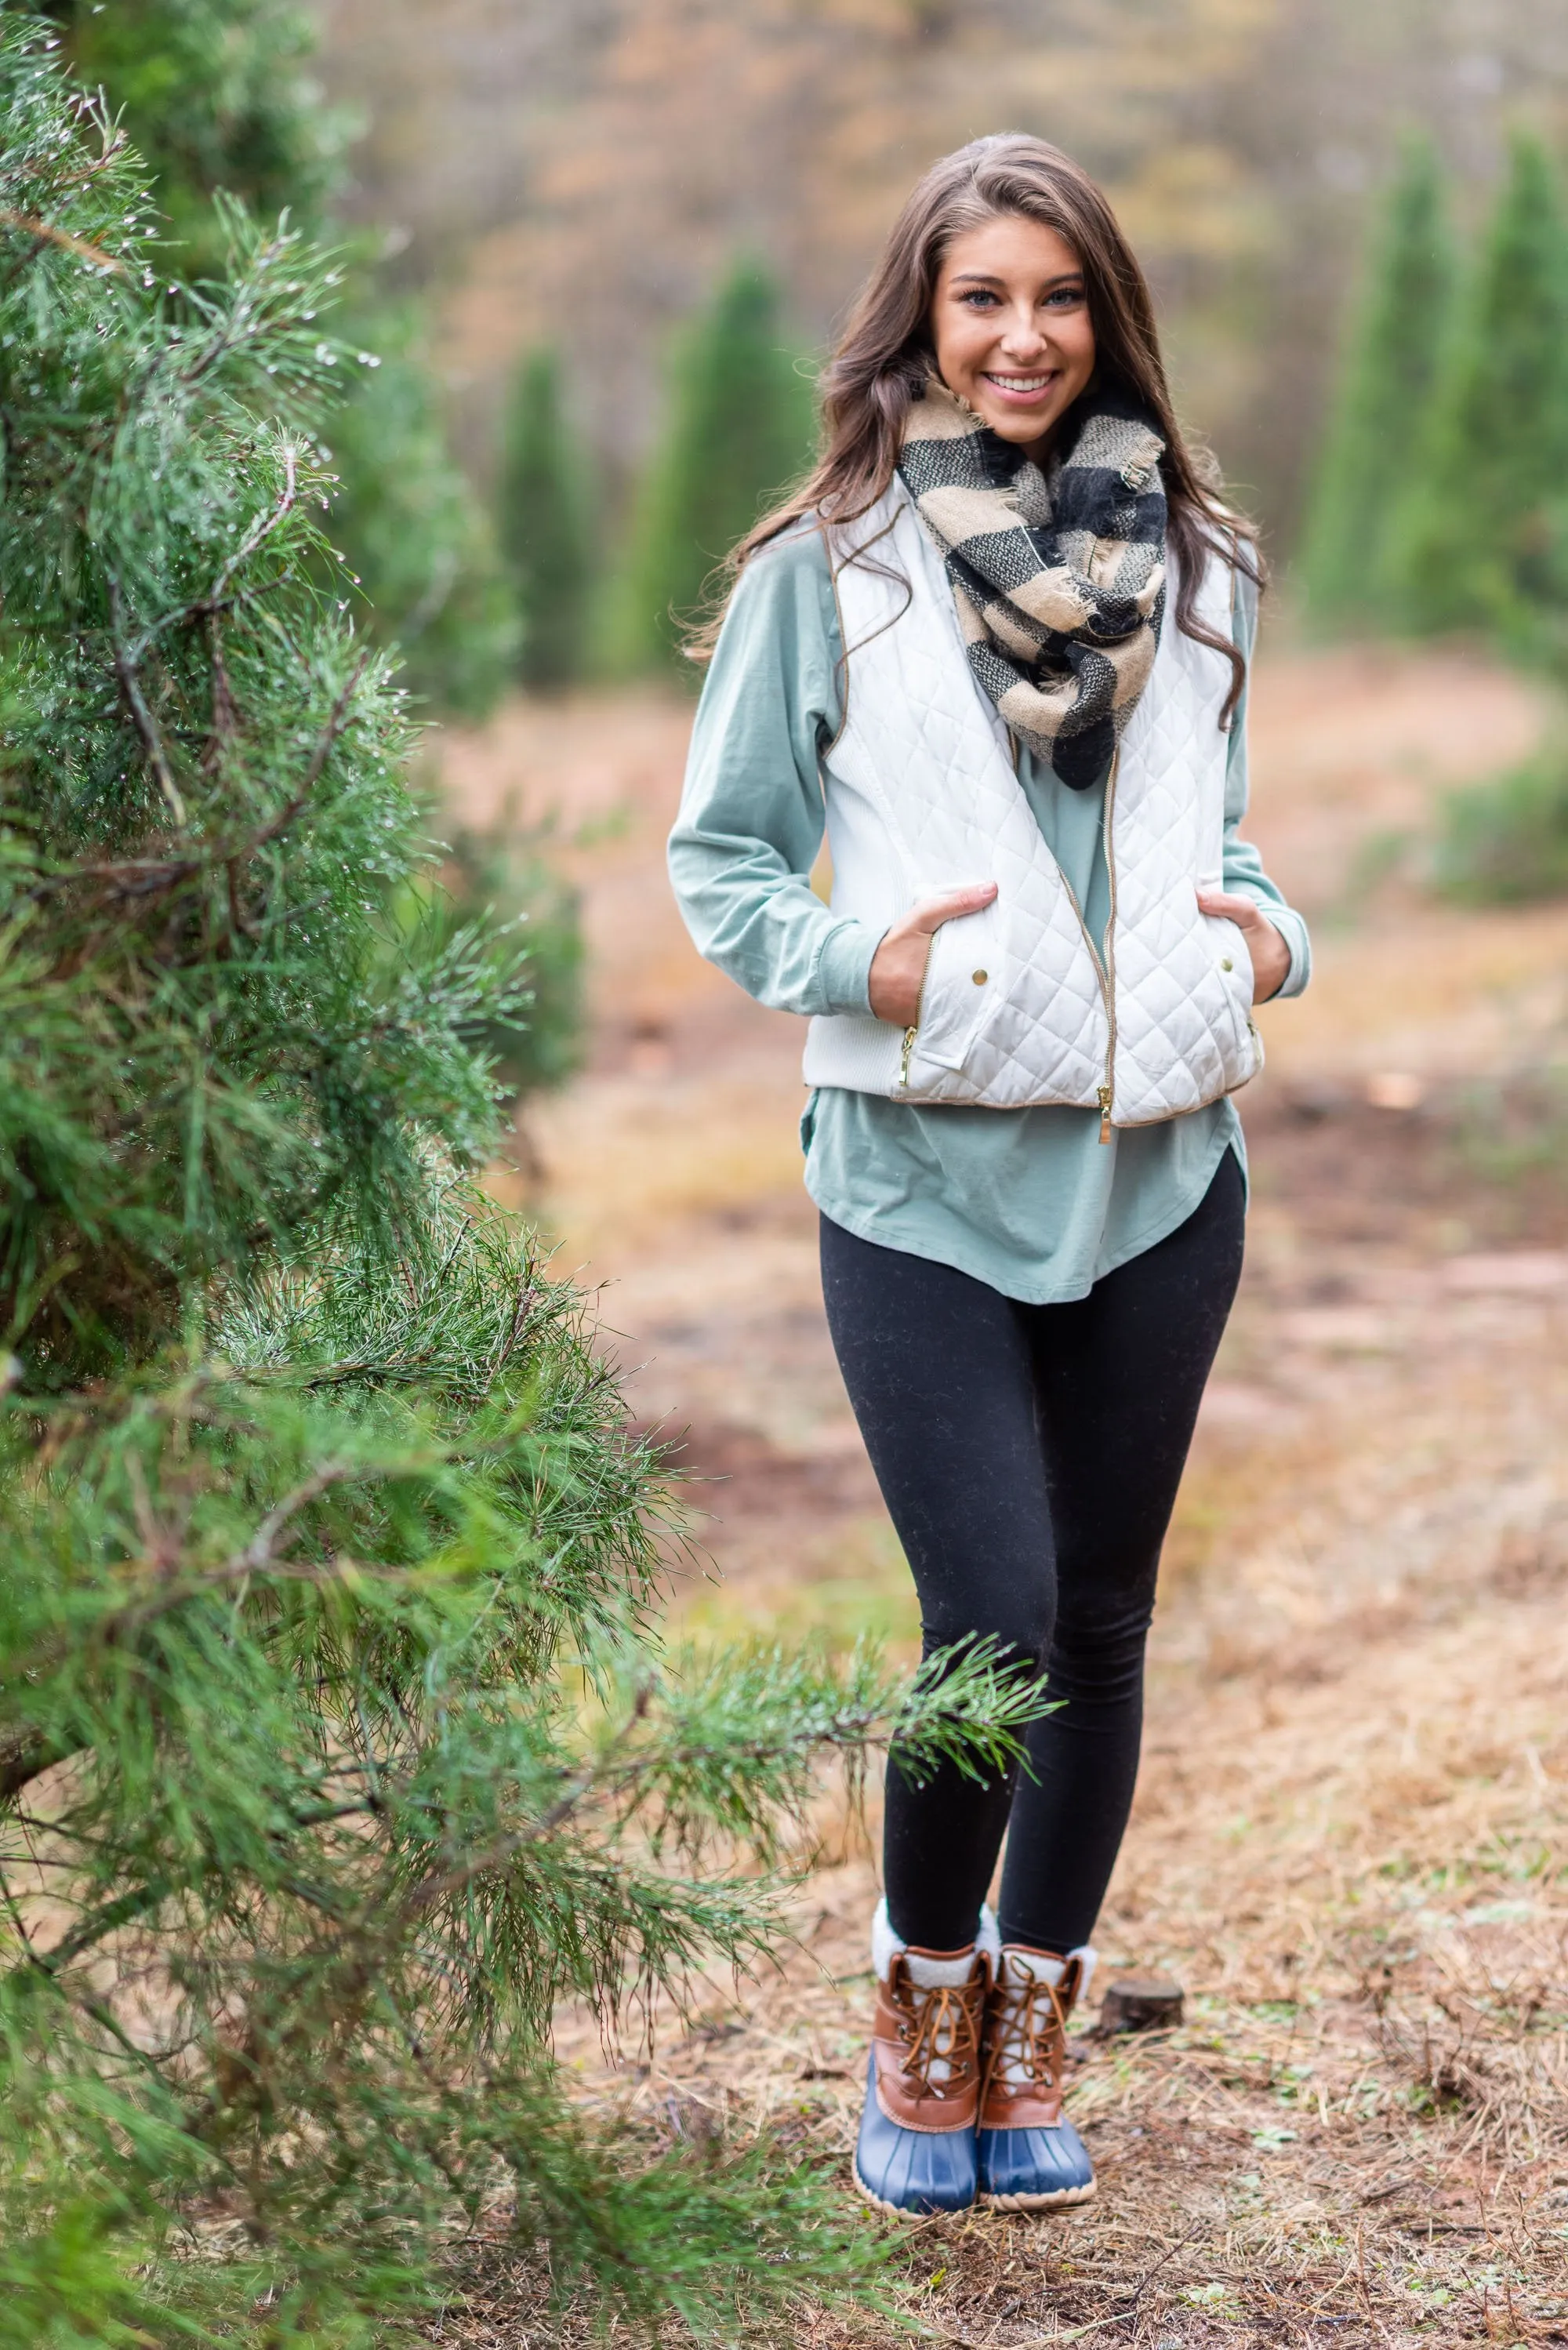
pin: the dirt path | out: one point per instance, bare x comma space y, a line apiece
1348, 1842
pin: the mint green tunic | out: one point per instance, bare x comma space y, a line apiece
1029, 1200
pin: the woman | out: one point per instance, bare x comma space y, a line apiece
1000, 640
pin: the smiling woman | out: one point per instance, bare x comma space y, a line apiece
997, 646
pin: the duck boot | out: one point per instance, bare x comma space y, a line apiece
1030, 2157
917, 2145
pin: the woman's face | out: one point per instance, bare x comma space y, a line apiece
1010, 321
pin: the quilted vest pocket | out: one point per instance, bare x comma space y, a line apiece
1241, 1049
964, 976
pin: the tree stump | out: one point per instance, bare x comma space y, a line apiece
1140, 2003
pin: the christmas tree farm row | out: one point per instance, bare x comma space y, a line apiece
1441, 499
1441, 502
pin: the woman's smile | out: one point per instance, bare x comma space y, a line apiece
1024, 390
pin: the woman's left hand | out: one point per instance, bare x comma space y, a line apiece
1271, 955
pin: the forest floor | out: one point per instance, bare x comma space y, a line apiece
1349, 1842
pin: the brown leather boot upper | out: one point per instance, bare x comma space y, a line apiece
926, 2044
1025, 2034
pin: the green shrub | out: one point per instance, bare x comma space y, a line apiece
1507, 841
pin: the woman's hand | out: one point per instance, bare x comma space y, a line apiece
898, 965
1271, 955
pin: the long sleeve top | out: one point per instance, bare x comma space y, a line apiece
1029, 1200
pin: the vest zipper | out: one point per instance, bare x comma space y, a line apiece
1110, 962
909, 1036
1102, 1093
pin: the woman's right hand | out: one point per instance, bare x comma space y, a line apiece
898, 965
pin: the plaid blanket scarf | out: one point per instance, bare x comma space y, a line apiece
1059, 575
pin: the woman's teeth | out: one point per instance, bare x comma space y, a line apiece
1020, 382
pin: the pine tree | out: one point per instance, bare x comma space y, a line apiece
739, 429
218, 94
1479, 545
1379, 414
336, 1744
544, 525
218, 97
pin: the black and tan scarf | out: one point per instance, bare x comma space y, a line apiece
1059, 575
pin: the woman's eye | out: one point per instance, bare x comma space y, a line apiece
978, 299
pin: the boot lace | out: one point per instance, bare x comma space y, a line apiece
938, 2026
1028, 2026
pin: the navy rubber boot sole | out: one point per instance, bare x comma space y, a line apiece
1034, 2169
904, 2170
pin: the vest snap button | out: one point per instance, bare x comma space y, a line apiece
1226, 963
979, 977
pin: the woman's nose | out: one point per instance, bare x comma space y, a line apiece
1021, 338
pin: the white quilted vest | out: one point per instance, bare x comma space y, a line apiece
1020, 1006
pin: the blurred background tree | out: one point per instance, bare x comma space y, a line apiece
546, 527
220, 96
414, 534
1481, 540
737, 428
1379, 420
1439, 503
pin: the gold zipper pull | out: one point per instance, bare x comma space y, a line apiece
1104, 1102
909, 1047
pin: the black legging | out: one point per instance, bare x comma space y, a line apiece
1029, 1456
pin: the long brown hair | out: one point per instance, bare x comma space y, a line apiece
885, 354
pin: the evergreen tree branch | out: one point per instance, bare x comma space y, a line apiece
256, 539
46, 233
148, 876
337, 719
136, 702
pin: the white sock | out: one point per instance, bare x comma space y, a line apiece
931, 1975
1020, 1965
